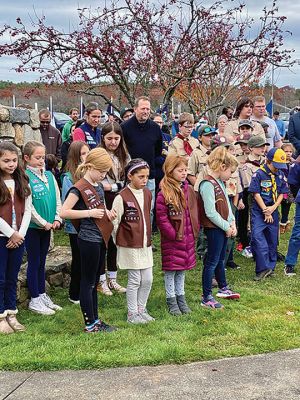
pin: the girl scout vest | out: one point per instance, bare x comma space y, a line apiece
131, 229
92, 200
92, 137
7, 209
43, 198
221, 204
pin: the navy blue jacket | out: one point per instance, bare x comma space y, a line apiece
143, 141
294, 131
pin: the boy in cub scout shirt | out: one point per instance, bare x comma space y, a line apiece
197, 161
184, 144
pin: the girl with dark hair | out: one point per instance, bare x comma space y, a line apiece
113, 143
77, 154
15, 214
132, 228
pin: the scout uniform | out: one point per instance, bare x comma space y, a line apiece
264, 239
183, 147
232, 129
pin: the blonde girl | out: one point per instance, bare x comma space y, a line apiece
46, 206
178, 222
219, 224
85, 206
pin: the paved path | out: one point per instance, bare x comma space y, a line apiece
264, 377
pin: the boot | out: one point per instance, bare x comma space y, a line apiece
282, 228
183, 307
173, 306
4, 327
288, 226
14, 323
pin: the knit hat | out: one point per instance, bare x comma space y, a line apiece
277, 157
257, 141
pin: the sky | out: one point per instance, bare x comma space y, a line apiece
63, 14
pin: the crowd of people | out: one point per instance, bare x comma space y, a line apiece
208, 191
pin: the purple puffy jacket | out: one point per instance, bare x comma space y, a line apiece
177, 255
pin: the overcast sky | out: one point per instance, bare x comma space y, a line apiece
63, 14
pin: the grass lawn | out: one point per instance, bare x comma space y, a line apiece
265, 319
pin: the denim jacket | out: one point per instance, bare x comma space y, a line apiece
67, 183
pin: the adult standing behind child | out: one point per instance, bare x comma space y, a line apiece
267, 186
178, 222
15, 214
219, 224
132, 228
113, 183
46, 206
85, 205
77, 154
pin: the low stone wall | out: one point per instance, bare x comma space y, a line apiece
58, 269
19, 125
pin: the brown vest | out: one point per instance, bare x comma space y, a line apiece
6, 210
221, 204
131, 229
177, 218
92, 200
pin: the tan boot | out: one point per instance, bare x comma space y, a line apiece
4, 327
288, 226
14, 323
282, 228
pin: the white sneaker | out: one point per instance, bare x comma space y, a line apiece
36, 305
74, 301
136, 319
45, 299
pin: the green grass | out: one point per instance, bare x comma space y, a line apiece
265, 319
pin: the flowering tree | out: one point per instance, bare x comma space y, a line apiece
136, 45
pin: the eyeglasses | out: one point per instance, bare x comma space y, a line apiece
188, 126
45, 122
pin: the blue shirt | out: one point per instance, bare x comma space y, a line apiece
280, 127
261, 183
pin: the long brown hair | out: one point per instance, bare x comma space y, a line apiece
21, 180
121, 152
170, 187
74, 158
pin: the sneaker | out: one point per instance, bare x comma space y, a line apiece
289, 270
74, 301
37, 305
227, 293
91, 328
239, 247
210, 302
114, 285
49, 303
232, 265
103, 327
147, 317
136, 319
104, 289
247, 252
263, 274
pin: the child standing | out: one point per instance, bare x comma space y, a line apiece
133, 239
113, 143
267, 186
15, 214
85, 206
219, 224
177, 220
44, 217
77, 154
285, 223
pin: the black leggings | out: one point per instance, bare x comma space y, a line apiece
74, 288
111, 258
285, 209
91, 255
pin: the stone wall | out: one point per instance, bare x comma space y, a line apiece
58, 269
19, 125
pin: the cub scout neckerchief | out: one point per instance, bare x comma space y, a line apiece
273, 181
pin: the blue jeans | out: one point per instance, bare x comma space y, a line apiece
151, 187
37, 243
10, 263
294, 243
214, 260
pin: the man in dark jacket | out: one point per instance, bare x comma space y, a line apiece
51, 136
294, 131
143, 138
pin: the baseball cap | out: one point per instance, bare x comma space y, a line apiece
257, 141
246, 122
218, 140
277, 157
264, 124
206, 130
243, 138
124, 110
